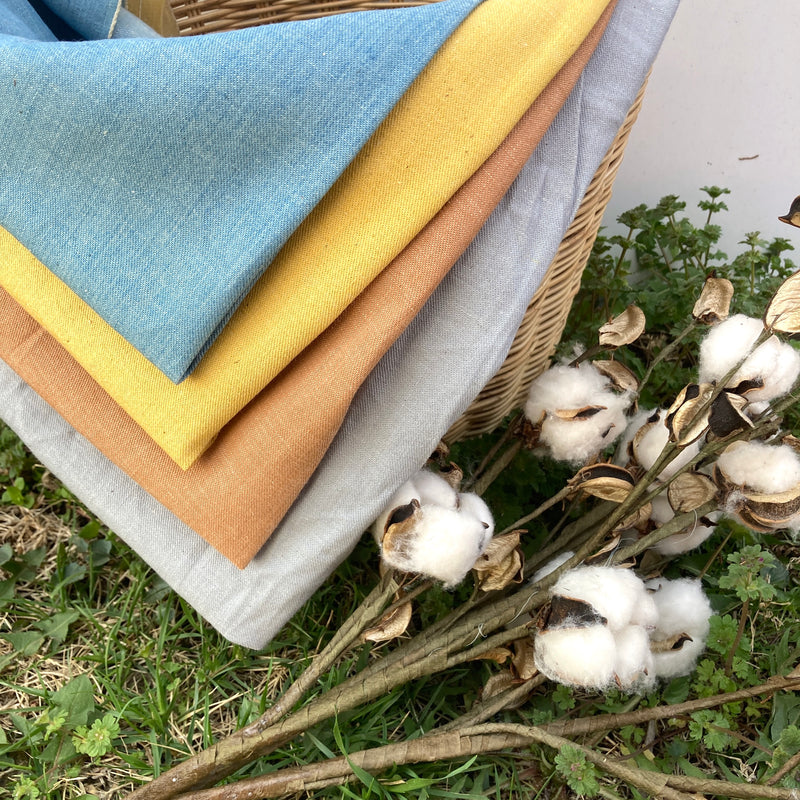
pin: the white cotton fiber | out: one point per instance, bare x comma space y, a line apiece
675, 663
634, 668
584, 657
473, 504
552, 565
652, 442
776, 363
682, 608
444, 546
687, 539
615, 593
433, 488
764, 468
424, 486
565, 387
569, 389
622, 454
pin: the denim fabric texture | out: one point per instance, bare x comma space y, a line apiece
158, 178
237, 492
468, 98
17, 18
423, 383
92, 19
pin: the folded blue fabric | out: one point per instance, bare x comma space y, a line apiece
419, 388
159, 177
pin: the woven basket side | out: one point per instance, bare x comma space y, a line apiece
209, 16
547, 312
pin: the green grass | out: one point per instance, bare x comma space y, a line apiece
108, 678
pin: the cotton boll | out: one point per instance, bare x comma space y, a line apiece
563, 386
634, 667
774, 362
615, 593
764, 468
444, 545
425, 486
552, 565
683, 608
434, 489
652, 442
583, 657
576, 441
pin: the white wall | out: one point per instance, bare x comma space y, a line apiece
726, 85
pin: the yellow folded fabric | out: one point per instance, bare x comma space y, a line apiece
452, 118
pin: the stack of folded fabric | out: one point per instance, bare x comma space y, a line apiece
249, 279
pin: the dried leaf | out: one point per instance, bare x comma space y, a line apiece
522, 663
783, 311
498, 654
637, 519
587, 412
689, 491
606, 481
500, 564
792, 216
498, 683
791, 441
714, 302
620, 376
600, 555
684, 422
625, 328
390, 625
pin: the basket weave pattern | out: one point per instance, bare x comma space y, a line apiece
546, 315
208, 16
547, 312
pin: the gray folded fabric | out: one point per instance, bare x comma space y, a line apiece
423, 384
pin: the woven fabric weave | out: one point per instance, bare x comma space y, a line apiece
470, 96
423, 383
158, 178
236, 493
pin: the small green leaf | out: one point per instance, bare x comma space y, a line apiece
6, 553
677, 690
26, 643
412, 785
57, 626
90, 531
97, 740
76, 698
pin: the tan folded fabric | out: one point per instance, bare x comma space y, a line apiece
236, 493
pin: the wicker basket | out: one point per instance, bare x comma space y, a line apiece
546, 315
